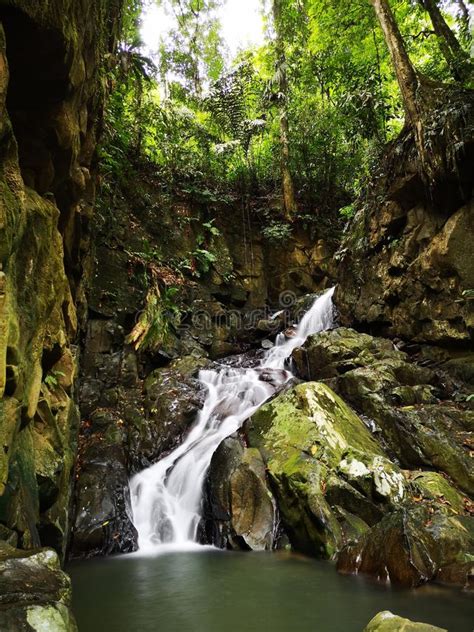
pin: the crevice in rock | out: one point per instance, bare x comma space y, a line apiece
39, 67
50, 357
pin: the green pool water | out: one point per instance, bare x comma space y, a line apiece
215, 591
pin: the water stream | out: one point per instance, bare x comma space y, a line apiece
167, 497
206, 590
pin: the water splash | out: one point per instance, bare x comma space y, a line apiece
167, 497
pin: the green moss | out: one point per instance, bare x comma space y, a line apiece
313, 443
307, 423
388, 622
434, 486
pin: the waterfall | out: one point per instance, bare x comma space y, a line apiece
167, 497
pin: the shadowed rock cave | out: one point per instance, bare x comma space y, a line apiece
38, 67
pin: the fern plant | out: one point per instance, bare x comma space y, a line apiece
52, 379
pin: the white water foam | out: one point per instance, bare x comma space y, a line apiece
167, 497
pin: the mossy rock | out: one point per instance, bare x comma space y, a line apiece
410, 546
35, 594
398, 397
331, 353
322, 459
388, 622
434, 487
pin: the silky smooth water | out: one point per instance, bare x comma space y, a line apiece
220, 591
167, 497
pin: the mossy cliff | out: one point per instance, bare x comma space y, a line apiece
406, 266
51, 93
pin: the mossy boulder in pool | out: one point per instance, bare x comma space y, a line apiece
388, 622
330, 476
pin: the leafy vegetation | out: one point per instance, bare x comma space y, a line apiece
157, 319
291, 129
213, 125
52, 378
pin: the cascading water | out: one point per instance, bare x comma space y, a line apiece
166, 497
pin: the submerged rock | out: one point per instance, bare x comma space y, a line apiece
388, 622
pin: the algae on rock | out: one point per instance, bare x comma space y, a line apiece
328, 473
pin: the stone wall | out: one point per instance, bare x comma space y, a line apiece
51, 91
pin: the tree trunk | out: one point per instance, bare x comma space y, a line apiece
451, 49
465, 19
416, 94
288, 190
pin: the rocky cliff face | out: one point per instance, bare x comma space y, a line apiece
51, 92
406, 268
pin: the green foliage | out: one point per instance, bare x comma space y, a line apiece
52, 378
202, 261
348, 211
192, 51
277, 232
211, 125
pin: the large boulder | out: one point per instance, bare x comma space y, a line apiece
411, 546
331, 478
410, 406
35, 594
240, 509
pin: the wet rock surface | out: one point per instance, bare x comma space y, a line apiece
35, 594
384, 486
330, 477
240, 511
419, 413
388, 622
411, 546
130, 423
